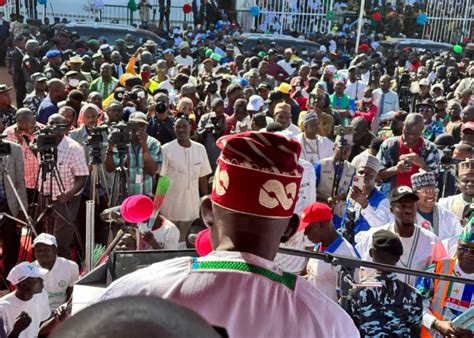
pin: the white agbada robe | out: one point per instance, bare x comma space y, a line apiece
419, 250
264, 303
447, 223
306, 196
454, 203
317, 149
323, 275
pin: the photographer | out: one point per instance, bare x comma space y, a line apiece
23, 133
143, 156
161, 123
92, 139
114, 113
210, 128
73, 171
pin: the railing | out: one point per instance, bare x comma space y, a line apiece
448, 20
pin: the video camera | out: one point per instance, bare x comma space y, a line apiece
46, 140
120, 137
95, 140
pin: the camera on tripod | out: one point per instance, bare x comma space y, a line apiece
120, 137
5, 147
95, 140
447, 158
46, 142
211, 84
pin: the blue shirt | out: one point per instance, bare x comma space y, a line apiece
46, 109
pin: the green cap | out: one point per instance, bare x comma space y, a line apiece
216, 57
97, 55
93, 42
209, 52
261, 54
119, 41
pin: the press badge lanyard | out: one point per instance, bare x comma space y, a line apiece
139, 172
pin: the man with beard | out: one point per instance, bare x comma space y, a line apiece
420, 246
62, 273
443, 223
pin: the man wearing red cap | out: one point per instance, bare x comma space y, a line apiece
316, 222
249, 213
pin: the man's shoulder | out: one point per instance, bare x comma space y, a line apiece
198, 146
66, 263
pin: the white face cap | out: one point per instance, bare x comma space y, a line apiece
45, 238
255, 103
23, 271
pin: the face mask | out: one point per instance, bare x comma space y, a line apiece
73, 82
145, 75
297, 88
366, 99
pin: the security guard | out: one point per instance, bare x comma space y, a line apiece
52, 69
31, 64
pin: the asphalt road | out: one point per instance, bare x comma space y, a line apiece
6, 79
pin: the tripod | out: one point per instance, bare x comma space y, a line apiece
119, 186
48, 166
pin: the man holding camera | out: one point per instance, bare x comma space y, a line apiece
402, 156
73, 172
143, 156
23, 133
161, 123
211, 127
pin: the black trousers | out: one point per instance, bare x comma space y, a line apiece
11, 235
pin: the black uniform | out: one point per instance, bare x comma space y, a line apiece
16, 59
29, 66
53, 72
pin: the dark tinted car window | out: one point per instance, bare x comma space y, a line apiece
249, 44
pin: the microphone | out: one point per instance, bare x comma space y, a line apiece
134, 209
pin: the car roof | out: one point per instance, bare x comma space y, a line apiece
257, 36
419, 42
92, 24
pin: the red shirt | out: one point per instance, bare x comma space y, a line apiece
405, 178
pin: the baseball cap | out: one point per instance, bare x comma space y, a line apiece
386, 241
468, 125
400, 192
255, 103
274, 96
138, 117
284, 88
45, 238
424, 82
316, 212
23, 271
440, 99
38, 77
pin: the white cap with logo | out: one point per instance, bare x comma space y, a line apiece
23, 271
45, 238
255, 103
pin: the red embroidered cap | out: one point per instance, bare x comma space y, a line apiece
258, 174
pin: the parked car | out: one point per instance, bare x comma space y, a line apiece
112, 32
418, 45
249, 41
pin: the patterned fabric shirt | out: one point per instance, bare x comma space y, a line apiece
392, 308
30, 160
105, 88
71, 162
33, 102
432, 130
390, 149
138, 181
8, 116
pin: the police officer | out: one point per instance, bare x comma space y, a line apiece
31, 64
34, 99
52, 69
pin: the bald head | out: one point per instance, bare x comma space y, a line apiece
57, 90
413, 129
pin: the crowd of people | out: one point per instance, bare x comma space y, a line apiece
366, 155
